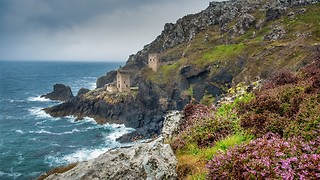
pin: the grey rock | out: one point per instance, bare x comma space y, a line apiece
108, 78
151, 160
245, 22
171, 124
277, 32
82, 91
60, 92
275, 13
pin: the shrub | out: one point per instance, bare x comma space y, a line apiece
269, 157
288, 110
283, 77
201, 127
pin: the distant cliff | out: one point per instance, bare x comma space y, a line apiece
202, 55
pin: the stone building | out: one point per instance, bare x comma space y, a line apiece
123, 81
112, 87
153, 61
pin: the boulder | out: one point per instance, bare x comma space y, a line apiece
171, 124
277, 32
82, 91
60, 92
149, 160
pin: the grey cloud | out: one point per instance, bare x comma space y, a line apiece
84, 29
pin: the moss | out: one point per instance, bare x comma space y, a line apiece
221, 52
207, 99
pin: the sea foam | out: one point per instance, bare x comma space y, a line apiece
38, 98
42, 131
84, 154
39, 113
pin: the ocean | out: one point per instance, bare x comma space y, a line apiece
31, 141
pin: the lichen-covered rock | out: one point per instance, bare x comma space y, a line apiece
171, 124
244, 23
151, 160
277, 32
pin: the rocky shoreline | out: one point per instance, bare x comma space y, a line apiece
152, 159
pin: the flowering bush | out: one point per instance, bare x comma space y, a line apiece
269, 157
290, 108
201, 127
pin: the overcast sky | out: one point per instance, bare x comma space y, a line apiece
97, 30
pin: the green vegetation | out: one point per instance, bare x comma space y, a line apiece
286, 110
221, 53
207, 99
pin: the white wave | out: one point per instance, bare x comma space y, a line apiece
85, 154
12, 174
39, 113
38, 98
72, 119
92, 86
118, 131
42, 131
15, 100
19, 131
89, 77
79, 155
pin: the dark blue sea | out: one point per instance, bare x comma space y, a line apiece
32, 142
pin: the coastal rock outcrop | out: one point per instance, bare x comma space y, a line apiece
145, 160
60, 92
151, 160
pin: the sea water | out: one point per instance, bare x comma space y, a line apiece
31, 141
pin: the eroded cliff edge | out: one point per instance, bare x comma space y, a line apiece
202, 55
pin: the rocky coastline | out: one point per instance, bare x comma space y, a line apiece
151, 159
203, 55
157, 94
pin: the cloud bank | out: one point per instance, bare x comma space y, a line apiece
97, 30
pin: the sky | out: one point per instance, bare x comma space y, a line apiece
85, 30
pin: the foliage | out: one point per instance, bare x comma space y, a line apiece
202, 127
290, 107
192, 159
207, 99
269, 157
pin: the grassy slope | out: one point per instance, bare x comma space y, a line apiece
210, 48
263, 57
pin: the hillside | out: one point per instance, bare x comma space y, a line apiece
245, 72
202, 56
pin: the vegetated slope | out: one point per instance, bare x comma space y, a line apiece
203, 55
229, 42
281, 118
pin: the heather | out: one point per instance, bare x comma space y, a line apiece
268, 157
281, 118
288, 105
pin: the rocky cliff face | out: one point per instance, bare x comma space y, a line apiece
202, 55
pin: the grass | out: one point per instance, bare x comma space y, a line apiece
221, 53
192, 160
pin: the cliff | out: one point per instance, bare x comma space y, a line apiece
202, 56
